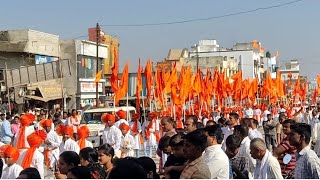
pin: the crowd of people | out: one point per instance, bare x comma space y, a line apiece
260, 142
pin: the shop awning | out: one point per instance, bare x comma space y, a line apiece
50, 90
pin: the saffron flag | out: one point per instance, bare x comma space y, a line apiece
139, 87
123, 88
114, 73
98, 76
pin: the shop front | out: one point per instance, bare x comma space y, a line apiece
88, 92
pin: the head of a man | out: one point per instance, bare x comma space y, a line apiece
233, 118
167, 123
286, 126
300, 135
241, 131
195, 143
269, 117
258, 148
214, 135
232, 145
190, 123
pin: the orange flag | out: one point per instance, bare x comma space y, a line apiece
237, 85
303, 92
98, 76
148, 75
139, 87
296, 89
123, 88
318, 80
114, 73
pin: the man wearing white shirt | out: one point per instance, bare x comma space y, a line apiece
228, 130
111, 134
307, 116
253, 131
135, 132
268, 166
51, 144
68, 144
214, 156
243, 160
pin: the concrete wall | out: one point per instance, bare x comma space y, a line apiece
229, 65
29, 41
68, 51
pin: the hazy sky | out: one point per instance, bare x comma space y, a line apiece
293, 30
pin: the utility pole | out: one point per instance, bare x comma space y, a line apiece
197, 46
97, 64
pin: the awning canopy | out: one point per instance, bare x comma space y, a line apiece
50, 90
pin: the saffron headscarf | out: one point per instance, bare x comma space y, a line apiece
35, 139
83, 133
62, 129
135, 116
25, 120
122, 114
12, 152
124, 126
108, 117
46, 123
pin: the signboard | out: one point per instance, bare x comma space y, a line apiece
44, 59
89, 87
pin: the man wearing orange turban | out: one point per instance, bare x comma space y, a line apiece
74, 121
67, 144
32, 157
149, 128
83, 133
20, 139
11, 156
111, 134
127, 141
121, 116
136, 132
51, 144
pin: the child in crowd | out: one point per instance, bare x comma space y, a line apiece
127, 141
11, 156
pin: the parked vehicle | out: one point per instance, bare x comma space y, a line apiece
92, 118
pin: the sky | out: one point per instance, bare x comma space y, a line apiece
292, 30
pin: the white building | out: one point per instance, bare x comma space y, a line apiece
248, 57
292, 67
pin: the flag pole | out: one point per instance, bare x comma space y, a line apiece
128, 107
144, 107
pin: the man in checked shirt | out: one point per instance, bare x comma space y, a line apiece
307, 161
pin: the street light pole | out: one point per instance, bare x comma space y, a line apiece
97, 64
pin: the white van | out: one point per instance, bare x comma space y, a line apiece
92, 118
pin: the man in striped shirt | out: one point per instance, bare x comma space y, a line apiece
307, 163
285, 148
